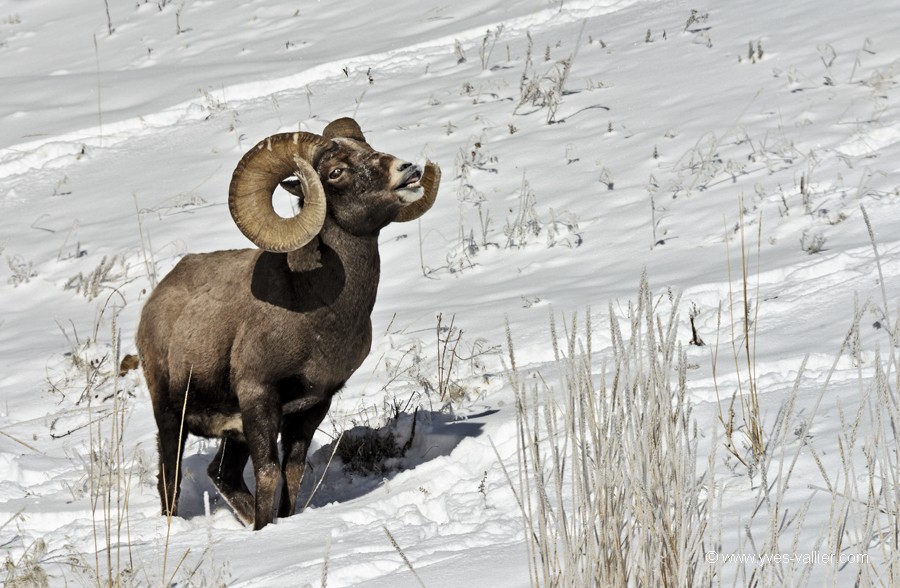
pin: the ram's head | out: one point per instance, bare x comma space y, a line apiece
337, 174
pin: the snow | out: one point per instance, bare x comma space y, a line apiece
116, 150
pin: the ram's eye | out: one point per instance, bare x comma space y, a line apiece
335, 173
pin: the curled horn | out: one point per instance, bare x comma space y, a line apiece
431, 180
253, 184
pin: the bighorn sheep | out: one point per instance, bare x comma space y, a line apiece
243, 345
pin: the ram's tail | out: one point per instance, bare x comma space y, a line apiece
128, 363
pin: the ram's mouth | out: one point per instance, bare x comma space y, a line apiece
411, 180
409, 189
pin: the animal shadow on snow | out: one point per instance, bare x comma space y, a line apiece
366, 458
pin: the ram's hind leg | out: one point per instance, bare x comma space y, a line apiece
170, 451
297, 431
170, 441
227, 473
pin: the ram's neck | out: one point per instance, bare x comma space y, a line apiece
358, 254
338, 268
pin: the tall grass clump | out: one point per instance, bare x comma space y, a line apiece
607, 459
813, 521
110, 479
110, 471
743, 337
825, 505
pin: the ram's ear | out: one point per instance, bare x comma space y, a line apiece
344, 127
294, 187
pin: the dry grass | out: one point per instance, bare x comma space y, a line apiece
614, 492
742, 331
607, 479
111, 481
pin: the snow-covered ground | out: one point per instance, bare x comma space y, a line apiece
582, 143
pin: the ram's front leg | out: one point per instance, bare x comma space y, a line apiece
296, 434
261, 417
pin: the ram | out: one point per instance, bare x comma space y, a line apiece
245, 345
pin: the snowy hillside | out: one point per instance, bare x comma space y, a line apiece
583, 144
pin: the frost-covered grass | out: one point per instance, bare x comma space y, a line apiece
607, 469
613, 484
